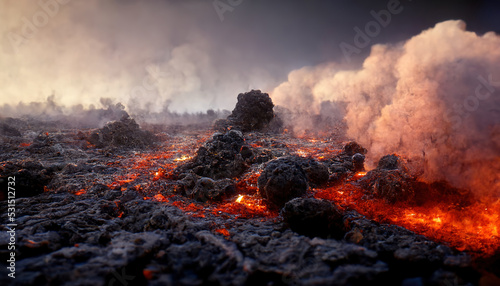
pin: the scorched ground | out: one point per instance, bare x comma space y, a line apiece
204, 204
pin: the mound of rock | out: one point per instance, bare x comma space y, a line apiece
352, 148
313, 217
351, 160
390, 180
44, 143
206, 189
282, 180
220, 157
392, 162
123, 133
316, 172
253, 112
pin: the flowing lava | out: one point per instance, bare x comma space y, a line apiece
472, 228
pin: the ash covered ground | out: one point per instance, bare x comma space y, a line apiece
226, 204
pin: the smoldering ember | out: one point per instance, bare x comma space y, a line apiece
237, 200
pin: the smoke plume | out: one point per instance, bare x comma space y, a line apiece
434, 99
148, 55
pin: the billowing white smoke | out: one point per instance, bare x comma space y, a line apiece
148, 55
434, 99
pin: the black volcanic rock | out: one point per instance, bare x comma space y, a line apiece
123, 133
207, 189
28, 178
8, 130
313, 217
391, 180
282, 180
118, 232
358, 161
392, 162
348, 162
316, 172
253, 112
391, 185
220, 157
352, 148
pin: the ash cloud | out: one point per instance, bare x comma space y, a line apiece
158, 54
434, 98
146, 54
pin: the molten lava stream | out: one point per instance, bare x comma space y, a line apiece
472, 228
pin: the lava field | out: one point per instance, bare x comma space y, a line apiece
241, 202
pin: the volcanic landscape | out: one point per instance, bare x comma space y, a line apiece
237, 200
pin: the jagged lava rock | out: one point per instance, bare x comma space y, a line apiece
219, 158
352, 148
351, 160
253, 111
313, 217
316, 172
282, 180
390, 180
207, 189
29, 178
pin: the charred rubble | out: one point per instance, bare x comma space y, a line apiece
391, 180
206, 189
209, 174
282, 180
289, 177
70, 240
317, 173
314, 218
220, 157
31, 176
348, 162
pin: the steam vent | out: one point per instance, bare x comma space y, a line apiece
136, 149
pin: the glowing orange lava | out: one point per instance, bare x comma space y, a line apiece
80, 192
223, 231
472, 228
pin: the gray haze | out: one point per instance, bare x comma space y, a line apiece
181, 55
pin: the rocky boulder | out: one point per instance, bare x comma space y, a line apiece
282, 180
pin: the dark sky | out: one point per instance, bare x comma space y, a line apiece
310, 32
